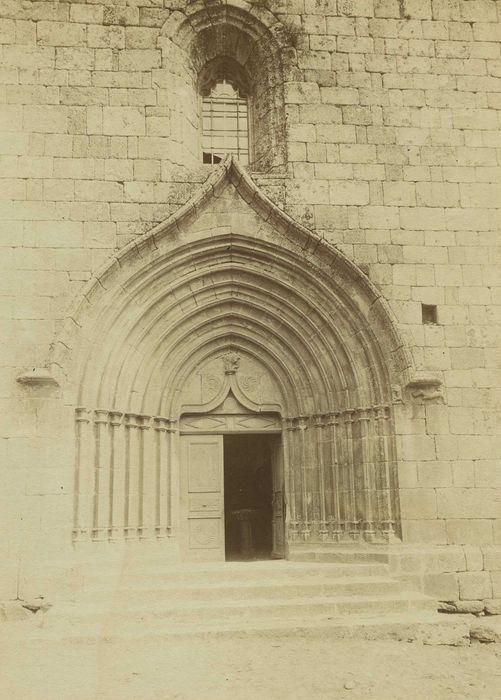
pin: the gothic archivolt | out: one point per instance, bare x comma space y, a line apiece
230, 273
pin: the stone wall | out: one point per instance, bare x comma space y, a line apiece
466, 577
393, 153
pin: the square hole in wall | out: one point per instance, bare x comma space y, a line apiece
429, 313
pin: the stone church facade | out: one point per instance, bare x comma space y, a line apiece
329, 295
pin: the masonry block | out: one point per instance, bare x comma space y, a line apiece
418, 504
380, 133
123, 121
496, 583
492, 558
60, 34
424, 531
474, 558
349, 193
434, 474
468, 503
475, 585
465, 531
496, 526
445, 559
442, 586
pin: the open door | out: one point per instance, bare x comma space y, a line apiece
278, 503
202, 497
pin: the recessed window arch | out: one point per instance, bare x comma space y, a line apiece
222, 41
225, 105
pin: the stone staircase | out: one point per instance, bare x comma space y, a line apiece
351, 594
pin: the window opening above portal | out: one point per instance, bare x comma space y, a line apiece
225, 123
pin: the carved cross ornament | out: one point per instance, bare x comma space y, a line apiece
231, 361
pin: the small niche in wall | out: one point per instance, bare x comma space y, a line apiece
429, 313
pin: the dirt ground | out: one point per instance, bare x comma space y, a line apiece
241, 669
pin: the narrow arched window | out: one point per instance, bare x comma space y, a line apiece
225, 122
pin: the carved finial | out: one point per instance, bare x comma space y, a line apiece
231, 361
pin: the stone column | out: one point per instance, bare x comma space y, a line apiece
323, 532
365, 420
131, 475
288, 431
146, 480
116, 495
173, 478
82, 496
386, 477
302, 426
101, 475
352, 520
162, 477
335, 518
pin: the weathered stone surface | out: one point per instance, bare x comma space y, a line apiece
474, 585
446, 607
14, 612
492, 558
469, 531
487, 630
474, 558
469, 606
444, 586
374, 124
492, 606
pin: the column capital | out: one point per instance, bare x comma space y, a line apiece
333, 417
115, 417
302, 422
82, 414
101, 415
319, 420
173, 426
161, 424
382, 412
131, 420
363, 414
348, 415
143, 422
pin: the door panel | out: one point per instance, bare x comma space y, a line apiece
202, 497
278, 505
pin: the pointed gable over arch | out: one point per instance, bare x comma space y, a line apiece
232, 274
230, 252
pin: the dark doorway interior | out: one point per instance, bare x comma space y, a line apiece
248, 496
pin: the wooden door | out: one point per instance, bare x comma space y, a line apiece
278, 503
202, 497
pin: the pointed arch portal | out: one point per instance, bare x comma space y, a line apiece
232, 302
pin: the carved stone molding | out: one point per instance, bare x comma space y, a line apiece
396, 393
280, 329
215, 423
308, 276
38, 376
426, 388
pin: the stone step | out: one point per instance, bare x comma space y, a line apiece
431, 628
272, 587
235, 597
193, 611
135, 573
327, 552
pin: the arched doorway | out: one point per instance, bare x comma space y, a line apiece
232, 503
232, 300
